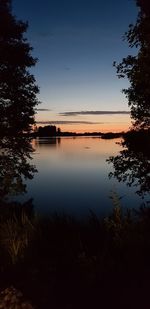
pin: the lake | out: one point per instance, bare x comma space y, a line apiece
73, 177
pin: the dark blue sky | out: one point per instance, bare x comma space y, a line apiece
76, 43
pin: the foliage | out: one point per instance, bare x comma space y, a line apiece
16, 229
132, 164
11, 298
15, 234
76, 260
15, 167
46, 131
17, 85
137, 68
118, 223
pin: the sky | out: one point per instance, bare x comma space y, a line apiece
76, 43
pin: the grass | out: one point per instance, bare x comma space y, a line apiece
15, 235
59, 262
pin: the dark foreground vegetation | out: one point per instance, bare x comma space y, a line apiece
58, 262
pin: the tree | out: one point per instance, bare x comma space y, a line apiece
46, 131
132, 164
18, 88
15, 166
137, 68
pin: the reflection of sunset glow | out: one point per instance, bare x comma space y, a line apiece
82, 144
73, 175
85, 147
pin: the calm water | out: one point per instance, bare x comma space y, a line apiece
73, 176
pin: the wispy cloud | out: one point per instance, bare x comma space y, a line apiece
67, 122
94, 113
67, 68
44, 34
43, 109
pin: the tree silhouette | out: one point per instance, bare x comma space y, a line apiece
137, 68
46, 131
15, 166
132, 165
18, 89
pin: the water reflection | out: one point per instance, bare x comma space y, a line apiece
50, 141
132, 165
15, 167
73, 177
72, 174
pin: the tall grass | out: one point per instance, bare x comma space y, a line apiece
15, 235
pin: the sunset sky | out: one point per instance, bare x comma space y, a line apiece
76, 43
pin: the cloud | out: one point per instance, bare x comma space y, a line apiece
67, 68
67, 122
43, 109
45, 34
94, 113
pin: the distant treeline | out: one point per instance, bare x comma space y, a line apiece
47, 131
51, 130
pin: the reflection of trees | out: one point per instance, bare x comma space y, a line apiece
15, 167
47, 142
132, 165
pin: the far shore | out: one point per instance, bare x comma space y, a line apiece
109, 135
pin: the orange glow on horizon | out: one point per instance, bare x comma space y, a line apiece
80, 128
103, 123
95, 128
